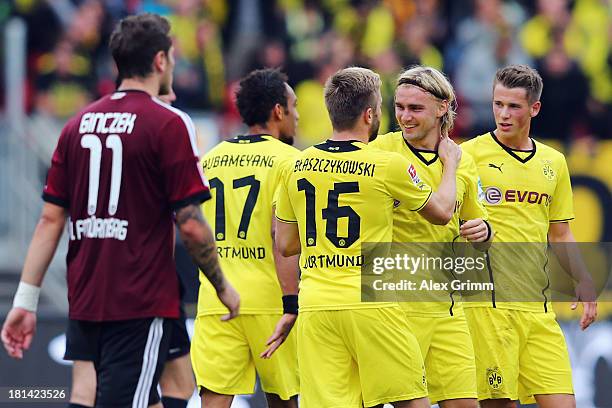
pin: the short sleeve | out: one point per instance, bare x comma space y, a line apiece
473, 207
184, 181
56, 189
562, 204
405, 185
284, 209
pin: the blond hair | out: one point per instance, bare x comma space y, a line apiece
437, 84
348, 93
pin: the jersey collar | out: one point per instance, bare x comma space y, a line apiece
512, 151
419, 155
339, 146
249, 138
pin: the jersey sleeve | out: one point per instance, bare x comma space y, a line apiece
472, 202
183, 179
56, 189
284, 209
404, 184
562, 205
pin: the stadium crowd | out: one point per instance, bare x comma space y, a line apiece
218, 41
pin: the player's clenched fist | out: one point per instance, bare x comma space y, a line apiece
449, 152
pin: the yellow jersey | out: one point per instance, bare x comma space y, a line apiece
412, 227
524, 191
341, 194
243, 173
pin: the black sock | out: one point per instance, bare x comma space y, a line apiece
73, 405
170, 402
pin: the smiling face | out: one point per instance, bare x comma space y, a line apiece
418, 113
512, 111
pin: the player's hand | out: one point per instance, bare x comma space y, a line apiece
449, 152
18, 331
281, 331
475, 230
230, 298
586, 294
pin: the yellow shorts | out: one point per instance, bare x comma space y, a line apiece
447, 350
519, 354
225, 356
350, 357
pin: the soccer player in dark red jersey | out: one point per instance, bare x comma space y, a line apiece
122, 168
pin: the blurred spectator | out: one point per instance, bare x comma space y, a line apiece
248, 23
415, 47
64, 80
486, 42
564, 98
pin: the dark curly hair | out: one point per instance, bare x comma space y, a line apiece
135, 41
258, 93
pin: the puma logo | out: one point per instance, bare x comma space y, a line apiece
497, 167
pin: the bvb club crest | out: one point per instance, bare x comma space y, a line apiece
494, 378
548, 171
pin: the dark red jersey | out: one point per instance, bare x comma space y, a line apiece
121, 167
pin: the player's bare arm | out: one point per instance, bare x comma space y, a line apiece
287, 238
571, 261
439, 209
200, 243
20, 324
287, 274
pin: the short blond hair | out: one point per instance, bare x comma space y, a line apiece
348, 93
435, 83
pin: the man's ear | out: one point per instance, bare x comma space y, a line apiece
160, 61
278, 112
535, 109
368, 115
442, 108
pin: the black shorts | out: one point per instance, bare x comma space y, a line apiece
128, 355
179, 340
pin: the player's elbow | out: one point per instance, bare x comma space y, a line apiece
191, 232
436, 215
286, 247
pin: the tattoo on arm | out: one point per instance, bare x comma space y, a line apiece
201, 246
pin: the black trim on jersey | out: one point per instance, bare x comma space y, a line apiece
512, 151
425, 202
546, 287
564, 220
197, 199
249, 138
491, 278
56, 200
285, 221
417, 153
338, 146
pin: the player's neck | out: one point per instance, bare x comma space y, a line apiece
149, 86
429, 142
263, 130
520, 141
351, 134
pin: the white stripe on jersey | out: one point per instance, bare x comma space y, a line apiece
149, 364
188, 124
190, 130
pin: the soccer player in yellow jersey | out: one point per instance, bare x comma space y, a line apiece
425, 110
243, 173
520, 349
335, 196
